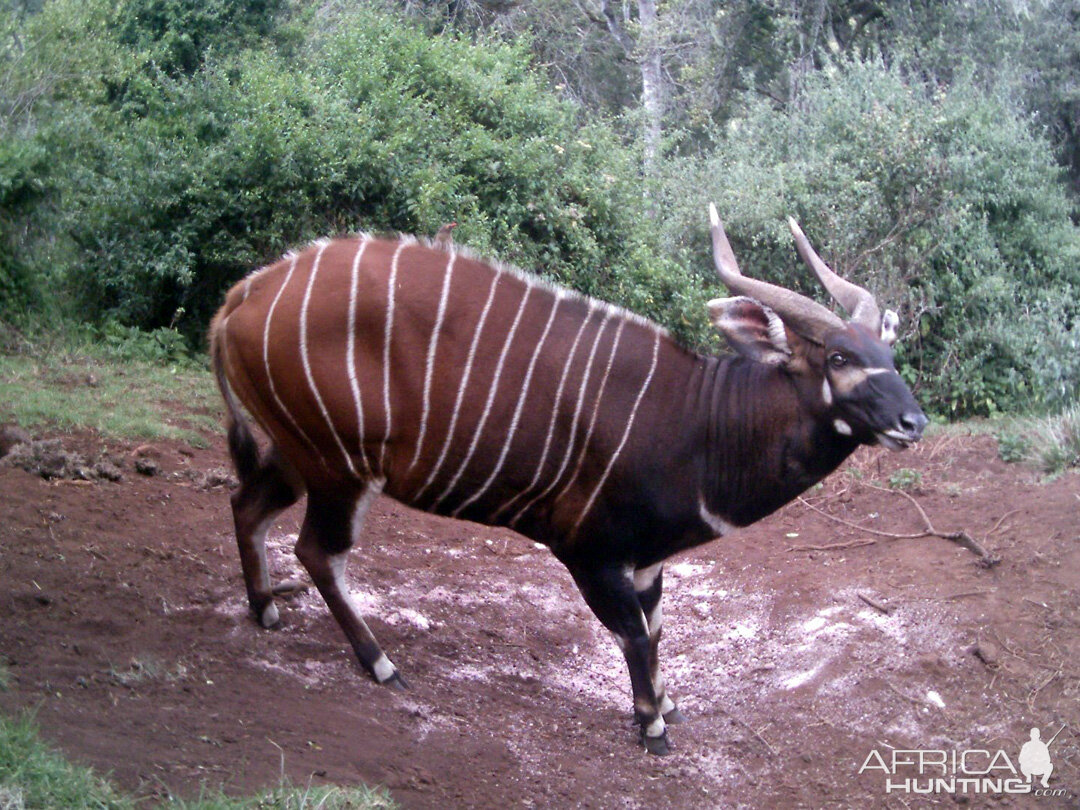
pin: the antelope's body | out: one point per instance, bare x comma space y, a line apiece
474, 391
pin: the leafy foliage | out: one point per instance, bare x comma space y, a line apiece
201, 139
941, 201
367, 124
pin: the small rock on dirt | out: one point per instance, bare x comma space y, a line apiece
11, 435
987, 653
144, 465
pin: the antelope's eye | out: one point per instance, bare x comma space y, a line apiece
838, 360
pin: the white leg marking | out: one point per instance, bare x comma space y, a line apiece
608, 313
656, 619
350, 353
551, 423
495, 276
595, 413
266, 363
392, 284
306, 360
384, 670
656, 728
269, 615
645, 577
490, 398
625, 436
842, 427
363, 504
429, 366
666, 703
517, 409
716, 524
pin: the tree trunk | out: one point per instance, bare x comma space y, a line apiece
652, 97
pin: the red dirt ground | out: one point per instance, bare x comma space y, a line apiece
124, 627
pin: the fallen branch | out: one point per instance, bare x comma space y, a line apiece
834, 546
876, 605
961, 537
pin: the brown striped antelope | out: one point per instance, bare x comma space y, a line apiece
468, 389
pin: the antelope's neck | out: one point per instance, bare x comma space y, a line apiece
764, 446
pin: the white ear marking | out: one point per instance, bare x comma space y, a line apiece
890, 323
842, 427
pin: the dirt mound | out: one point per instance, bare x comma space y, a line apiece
807, 653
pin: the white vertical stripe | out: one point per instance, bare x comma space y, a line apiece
386, 348
625, 436
595, 413
266, 363
429, 366
517, 409
495, 276
574, 421
350, 352
554, 418
306, 360
490, 398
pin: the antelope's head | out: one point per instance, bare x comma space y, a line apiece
843, 369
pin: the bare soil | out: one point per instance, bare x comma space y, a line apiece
124, 627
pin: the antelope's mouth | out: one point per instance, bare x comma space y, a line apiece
896, 440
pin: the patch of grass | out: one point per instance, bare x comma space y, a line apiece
1051, 443
1057, 441
905, 479
129, 399
33, 775
1012, 446
290, 797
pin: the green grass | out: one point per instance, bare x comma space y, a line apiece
34, 776
119, 398
1050, 443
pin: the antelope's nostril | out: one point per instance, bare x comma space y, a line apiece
913, 423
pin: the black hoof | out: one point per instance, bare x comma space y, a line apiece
674, 717
396, 682
658, 745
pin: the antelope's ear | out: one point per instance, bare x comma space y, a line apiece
890, 323
752, 329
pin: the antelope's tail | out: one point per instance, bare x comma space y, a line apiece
243, 448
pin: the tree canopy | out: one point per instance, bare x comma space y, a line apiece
154, 151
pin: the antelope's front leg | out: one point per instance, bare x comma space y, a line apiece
649, 586
609, 591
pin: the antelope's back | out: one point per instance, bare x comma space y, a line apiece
472, 389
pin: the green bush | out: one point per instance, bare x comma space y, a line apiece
942, 201
180, 184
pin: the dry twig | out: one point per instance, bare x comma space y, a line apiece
833, 546
960, 537
875, 604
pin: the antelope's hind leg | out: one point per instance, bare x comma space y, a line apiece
262, 495
331, 526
